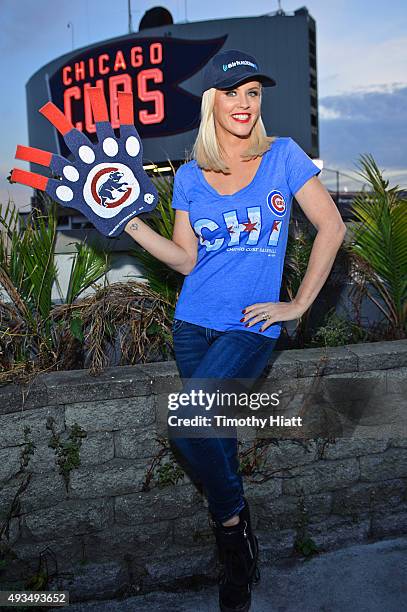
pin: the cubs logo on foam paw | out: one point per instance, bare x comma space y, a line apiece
105, 181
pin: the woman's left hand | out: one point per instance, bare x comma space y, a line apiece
277, 311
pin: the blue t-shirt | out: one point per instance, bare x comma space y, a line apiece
242, 238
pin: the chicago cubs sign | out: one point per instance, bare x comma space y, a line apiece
150, 68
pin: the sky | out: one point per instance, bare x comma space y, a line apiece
361, 60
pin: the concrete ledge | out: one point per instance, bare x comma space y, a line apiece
57, 388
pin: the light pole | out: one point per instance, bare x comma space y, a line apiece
337, 183
343, 174
280, 10
129, 14
70, 27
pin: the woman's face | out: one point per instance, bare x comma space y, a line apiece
237, 110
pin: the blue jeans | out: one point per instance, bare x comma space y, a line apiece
205, 353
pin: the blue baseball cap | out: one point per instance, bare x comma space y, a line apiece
228, 68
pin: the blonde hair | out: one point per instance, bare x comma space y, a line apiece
206, 149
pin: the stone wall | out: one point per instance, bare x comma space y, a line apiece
91, 496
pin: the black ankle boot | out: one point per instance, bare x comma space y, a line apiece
238, 553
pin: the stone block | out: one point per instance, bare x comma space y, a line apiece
164, 376
274, 545
73, 386
398, 442
384, 466
323, 361
115, 477
68, 518
179, 563
170, 502
291, 396
97, 448
396, 392
282, 364
287, 511
29, 492
18, 398
323, 475
396, 383
156, 505
62, 556
354, 447
12, 425
336, 532
136, 443
44, 458
7, 496
379, 355
10, 534
111, 415
194, 530
288, 454
388, 524
44, 490
9, 463
94, 581
136, 543
366, 497
257, 491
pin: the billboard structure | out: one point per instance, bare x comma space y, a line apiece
163, 68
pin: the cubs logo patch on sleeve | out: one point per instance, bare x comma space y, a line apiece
105, 181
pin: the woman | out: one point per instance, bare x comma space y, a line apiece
232, 202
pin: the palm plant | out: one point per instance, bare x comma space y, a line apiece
299, 247
161, 278
27, 268
378, 247
28, 273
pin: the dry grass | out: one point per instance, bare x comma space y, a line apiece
120, 324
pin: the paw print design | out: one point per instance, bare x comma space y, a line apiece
149, 198
105, 181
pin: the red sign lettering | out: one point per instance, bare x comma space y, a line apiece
76, 77
154, 96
